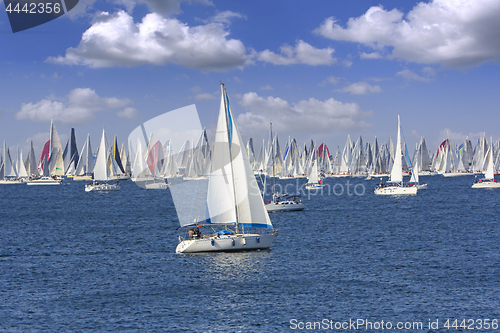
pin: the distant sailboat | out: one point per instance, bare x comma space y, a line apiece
313, 180
396, 186
233, 197
86, 163
101, 171
283, 202
489, 177
8, 173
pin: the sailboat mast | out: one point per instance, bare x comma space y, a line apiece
272, 154
229, 139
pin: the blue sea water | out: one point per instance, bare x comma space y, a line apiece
72, 261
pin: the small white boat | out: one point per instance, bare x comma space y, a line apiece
13, 181
489, 177
395, 185
415, 179
100, 187
313, 181
102, 171
285, 203
44, 181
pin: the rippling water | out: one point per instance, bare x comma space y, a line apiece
79, 262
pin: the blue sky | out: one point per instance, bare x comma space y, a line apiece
316, 69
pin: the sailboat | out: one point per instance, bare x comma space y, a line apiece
85, 163
396, 186
233, 197
415, 177
283, 202
313, 181
489, 177
8, 173
101, 171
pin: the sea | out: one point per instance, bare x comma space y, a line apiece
72, 261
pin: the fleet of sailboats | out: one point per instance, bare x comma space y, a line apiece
234, 201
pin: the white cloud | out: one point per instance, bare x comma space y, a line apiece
128, 113
361, 88
453, 33
301, 53
204, 96
77, 108
412, 76
116, 40
266, 87
331, 80
306, 116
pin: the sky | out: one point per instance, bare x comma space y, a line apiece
316, 69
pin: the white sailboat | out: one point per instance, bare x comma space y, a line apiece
283, 202
9, 173
313, 181
415, 177
85, 163
233, 197
45, 180
396, 186
101, 171
489, 176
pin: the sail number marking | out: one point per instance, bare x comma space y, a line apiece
35, 8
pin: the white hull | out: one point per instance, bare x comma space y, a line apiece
314, 186
156, 186
396, 190
421, 186
11, 182
456, 174
101, 187
284, 206
87, 178
427, 173
44, 181
486, 184
240, 242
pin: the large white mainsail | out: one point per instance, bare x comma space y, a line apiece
86, 163
489, 174
101, 169
9, 166
233, 194
397, 167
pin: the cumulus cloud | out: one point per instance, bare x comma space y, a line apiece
306, 116
412, 76
116, 40
456, 33
128, 113
301, 53
361, 88
78, 107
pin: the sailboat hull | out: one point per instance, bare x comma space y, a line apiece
285, 206
486, 184
396, 190
240, 242
101, 187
